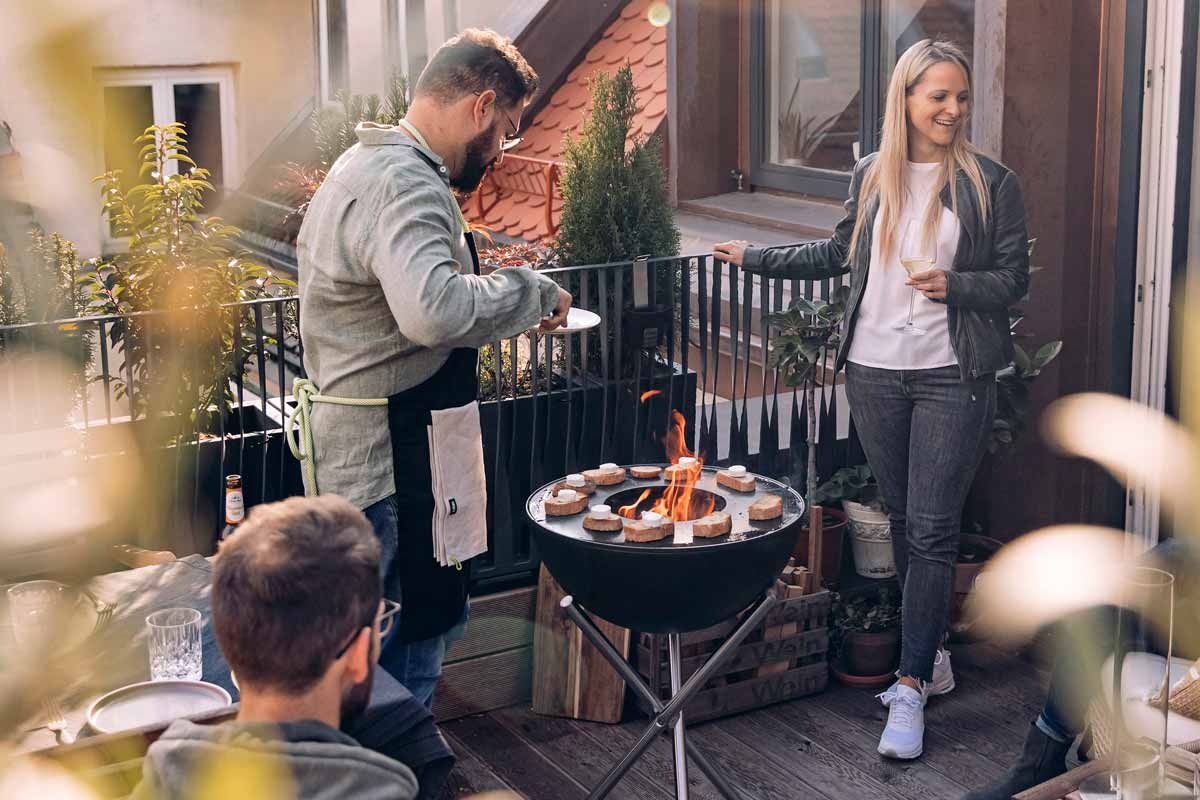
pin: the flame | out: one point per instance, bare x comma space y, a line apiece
652, 393
680, 501
631, 511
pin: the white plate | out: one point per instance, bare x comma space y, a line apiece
578, 319
154, 702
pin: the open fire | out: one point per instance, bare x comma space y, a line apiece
680, 501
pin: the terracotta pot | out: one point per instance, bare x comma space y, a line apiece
834, 534
871, 654
974, 551
838, 670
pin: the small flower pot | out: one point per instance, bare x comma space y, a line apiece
871, 654
870, 540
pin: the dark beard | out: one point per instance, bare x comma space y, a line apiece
474, 167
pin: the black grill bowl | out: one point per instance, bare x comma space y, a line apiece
675, 585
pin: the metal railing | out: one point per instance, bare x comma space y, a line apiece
679, 334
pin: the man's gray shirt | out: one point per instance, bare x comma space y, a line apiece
386, 292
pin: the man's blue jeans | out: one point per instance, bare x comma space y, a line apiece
924, 433
416, 665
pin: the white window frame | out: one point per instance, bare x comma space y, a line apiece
1156, 220
327, 97
162, 82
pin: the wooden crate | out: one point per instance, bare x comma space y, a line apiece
785, 657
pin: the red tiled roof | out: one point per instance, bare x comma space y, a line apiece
514, 195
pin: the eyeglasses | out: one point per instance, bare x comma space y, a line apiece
508, 142
384, 619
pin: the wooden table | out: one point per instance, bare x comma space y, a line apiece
395, 723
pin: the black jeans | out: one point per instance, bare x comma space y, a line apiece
924, 433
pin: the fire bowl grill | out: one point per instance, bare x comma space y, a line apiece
676, 584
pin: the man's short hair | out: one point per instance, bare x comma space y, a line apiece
291, 587
474, 61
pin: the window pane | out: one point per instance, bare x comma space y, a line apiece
906, 22
198, 107
338, 53
128, 110
812, 73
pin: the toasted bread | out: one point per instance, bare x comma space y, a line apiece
610, 524
739, 483
558, 507
717, 523
645, 473
588, 488
605, 477
637, 530
769, 506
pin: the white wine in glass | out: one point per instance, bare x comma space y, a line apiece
917, 254
915, 265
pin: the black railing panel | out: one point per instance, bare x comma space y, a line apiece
549, 404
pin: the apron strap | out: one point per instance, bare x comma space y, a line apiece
298, 427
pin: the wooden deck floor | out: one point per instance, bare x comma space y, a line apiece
820, 747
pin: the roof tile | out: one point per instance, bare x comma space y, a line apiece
515, 189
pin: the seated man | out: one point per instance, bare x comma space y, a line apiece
1085, 641
297, 611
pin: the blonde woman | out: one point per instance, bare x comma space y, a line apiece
920, 348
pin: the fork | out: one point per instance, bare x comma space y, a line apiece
57, 722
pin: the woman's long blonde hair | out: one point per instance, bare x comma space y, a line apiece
884, 180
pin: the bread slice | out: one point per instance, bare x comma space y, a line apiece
645, 473
637, 530
556, 507
674, 470
717, 523
769, 506
610, 524
742, 483
588, 488
605, 477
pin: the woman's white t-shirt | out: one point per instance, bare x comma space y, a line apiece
884, 304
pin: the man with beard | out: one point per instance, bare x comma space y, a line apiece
297, 610
392, 313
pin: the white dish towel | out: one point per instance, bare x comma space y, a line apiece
459, 485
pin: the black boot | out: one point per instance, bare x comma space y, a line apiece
1042, 758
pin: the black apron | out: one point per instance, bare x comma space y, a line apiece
432, 596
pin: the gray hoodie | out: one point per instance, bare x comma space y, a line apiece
323, 763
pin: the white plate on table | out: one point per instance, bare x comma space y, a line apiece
578, 319
153, 703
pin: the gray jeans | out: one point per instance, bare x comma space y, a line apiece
924, 433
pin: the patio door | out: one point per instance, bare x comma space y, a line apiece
1165, 191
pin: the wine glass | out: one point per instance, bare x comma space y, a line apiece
917, 254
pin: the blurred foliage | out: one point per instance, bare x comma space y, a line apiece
42, 287
333, 127
179, 275
1013, 405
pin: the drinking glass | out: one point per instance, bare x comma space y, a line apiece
917, 254
38, 610
1140, 677
175, 649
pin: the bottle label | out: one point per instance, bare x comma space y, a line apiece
235, 507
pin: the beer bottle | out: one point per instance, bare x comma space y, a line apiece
235, 505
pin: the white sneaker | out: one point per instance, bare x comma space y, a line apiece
942, 683
904, 735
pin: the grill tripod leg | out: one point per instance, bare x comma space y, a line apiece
670, 713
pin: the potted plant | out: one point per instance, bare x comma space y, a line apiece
865, 637
806, 333
870, 529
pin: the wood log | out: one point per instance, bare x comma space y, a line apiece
570, 676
